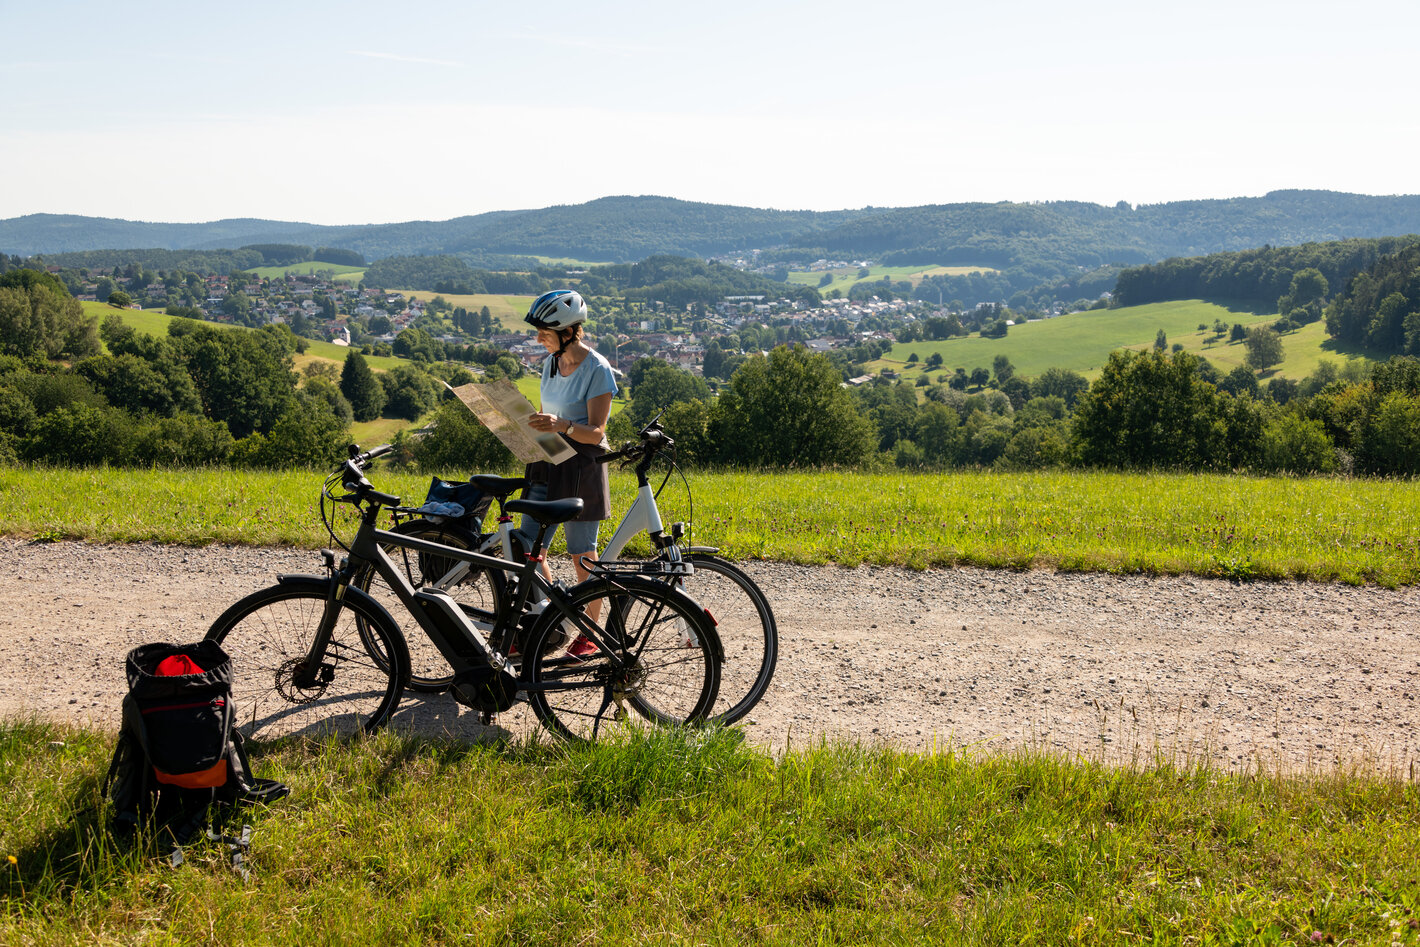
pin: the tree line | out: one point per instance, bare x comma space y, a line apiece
790, 408
205, 394
1377, 295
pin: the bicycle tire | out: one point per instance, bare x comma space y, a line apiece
481, 593
747, 630
268, 634
670, 680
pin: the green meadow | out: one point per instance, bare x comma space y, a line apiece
507, 310
1082, 341
1238, 527
845, 278
700, 838
340, 272
155, 322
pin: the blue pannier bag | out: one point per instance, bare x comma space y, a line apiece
443, 495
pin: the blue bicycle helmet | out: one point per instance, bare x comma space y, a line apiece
559, 309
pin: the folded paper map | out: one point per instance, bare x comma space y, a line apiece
501, 408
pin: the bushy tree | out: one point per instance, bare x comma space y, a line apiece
1294, 444
163, 388
80, 435
185, 440
1264, 348
361, 388
457, 445
1305, 296
659, 385
243, 378
409, 393
1149, 409
39, 317
789, 409
1392, 439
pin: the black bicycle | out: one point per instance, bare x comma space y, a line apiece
314, 654
744, 619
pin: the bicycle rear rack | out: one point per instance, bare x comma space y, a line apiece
653, 567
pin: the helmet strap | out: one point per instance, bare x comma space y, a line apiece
557, 356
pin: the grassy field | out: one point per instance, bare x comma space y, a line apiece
155, 322
571, 264
151, 321
845, 278
507, 310
340, 272
1082, 341
1355, 531
698, 838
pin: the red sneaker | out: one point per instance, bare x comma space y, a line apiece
583, 647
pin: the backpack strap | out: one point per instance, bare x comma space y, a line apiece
237, 846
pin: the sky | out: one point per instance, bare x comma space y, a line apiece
357, 112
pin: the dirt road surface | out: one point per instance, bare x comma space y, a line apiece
1279, 675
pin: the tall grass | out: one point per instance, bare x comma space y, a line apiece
1355, 531
700, 838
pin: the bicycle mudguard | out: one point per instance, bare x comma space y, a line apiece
708, 550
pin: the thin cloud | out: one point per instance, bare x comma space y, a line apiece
398, 58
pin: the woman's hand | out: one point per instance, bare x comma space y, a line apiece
547, 422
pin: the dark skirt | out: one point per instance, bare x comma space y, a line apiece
579, 476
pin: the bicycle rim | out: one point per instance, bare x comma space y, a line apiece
657, 675
747, 633
268, 635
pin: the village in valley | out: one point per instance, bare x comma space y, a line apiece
320, 305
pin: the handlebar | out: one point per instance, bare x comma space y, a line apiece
352, 476
653, 440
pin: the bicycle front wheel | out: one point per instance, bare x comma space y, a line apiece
662, 662
746, 628
269, 634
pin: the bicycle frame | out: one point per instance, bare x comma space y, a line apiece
643, 514
460, 640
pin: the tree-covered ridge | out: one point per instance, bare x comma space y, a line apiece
1380, 306
680, 281
1256, 277
626, 229
449, 274
203, 262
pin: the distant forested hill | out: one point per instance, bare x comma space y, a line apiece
1043, 237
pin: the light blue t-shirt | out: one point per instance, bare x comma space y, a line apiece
567, 397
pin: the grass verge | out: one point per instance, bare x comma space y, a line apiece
1237, 527
672, 837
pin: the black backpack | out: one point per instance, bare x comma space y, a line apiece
178, 754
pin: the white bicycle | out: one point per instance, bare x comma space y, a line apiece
742, 614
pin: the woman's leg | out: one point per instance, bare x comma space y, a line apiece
582, 547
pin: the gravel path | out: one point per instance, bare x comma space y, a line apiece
1284, 675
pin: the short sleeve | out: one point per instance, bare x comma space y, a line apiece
603, 382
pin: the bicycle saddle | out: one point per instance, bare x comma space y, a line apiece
547, 511
498, 486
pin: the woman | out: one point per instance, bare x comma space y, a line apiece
576, 391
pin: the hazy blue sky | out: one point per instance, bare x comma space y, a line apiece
357, 112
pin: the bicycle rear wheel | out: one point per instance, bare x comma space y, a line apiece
663, 661
268, 635
479, 592
746, 628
